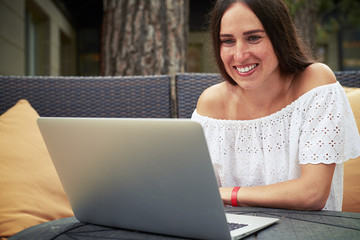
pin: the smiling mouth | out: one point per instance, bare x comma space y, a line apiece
245, 70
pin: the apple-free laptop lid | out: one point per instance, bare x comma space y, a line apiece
152, 175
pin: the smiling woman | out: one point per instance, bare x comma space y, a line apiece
246, 46
280, 126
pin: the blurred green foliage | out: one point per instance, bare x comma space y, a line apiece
331, 14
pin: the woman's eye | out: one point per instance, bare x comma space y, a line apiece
254, 39
227, 41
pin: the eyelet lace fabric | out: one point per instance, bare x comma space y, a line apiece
318, 127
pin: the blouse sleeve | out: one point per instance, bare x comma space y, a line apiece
329, 133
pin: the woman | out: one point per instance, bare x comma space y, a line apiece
280, 127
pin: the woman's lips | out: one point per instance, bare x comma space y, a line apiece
246, 70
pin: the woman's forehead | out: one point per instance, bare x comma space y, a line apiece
239, 17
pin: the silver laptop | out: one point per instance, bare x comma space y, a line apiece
151, 175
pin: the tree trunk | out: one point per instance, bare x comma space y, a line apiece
144, 37
305, 21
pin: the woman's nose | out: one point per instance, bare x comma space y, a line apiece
241, 52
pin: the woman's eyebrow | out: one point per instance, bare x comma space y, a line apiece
226, 35
253, 31
245, 33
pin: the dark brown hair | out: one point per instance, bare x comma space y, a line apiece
292, 54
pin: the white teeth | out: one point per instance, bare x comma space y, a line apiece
246, 69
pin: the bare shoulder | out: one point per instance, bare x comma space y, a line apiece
313, 76
211, 100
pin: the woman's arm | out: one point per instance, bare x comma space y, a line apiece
309, 192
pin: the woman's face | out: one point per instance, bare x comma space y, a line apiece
246, 51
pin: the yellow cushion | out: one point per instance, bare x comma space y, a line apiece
31, 192
351, 199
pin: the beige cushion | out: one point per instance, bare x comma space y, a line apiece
31, 192
351, 200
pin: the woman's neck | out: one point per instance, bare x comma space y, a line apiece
269, 98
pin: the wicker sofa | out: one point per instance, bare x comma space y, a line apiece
136, 96
31, 191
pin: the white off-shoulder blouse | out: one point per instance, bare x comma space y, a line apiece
318, 127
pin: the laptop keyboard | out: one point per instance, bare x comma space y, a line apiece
234, 226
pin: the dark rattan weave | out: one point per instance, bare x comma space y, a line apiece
141, 96
348, 78
190, 86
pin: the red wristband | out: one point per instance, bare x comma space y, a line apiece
234, 193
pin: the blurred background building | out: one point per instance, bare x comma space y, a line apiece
63, 37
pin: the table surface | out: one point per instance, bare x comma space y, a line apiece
292, 225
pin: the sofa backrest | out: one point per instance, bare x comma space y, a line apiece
348, 78
138, 96
189, 87
135, 96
